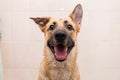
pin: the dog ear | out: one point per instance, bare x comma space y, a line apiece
76, 15
41, 22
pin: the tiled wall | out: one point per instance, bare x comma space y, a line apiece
1, 67
22, 41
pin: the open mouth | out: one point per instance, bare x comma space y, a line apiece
60, 45
61, 51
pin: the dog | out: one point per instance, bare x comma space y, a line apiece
60, 46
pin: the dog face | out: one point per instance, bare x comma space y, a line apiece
61, 33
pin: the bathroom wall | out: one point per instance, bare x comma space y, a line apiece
98, 41
1, 66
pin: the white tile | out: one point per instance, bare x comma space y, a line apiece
25, 74
35, 53
6, 26
14, 5
18, 74
19, 55
20, 26
104, 5
9, 74
7, 57
53, 5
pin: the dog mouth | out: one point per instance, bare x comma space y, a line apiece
60, 51
60, 45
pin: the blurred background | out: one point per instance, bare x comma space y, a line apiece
21, 42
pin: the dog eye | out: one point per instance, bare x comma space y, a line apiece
51, 27
69, 27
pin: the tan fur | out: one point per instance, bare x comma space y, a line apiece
50, 69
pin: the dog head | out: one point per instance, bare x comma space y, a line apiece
61, 33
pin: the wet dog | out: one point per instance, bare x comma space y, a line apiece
60, 46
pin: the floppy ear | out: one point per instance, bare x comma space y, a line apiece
76, 15
41, 22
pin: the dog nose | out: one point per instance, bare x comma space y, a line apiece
60, 35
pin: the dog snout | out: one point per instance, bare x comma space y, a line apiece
60, 35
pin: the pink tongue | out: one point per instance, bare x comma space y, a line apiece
60, 55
